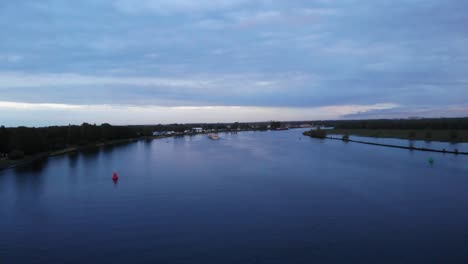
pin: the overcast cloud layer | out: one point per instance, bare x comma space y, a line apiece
164, 61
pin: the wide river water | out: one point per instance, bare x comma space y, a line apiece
251, 197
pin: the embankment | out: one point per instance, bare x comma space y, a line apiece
456, 152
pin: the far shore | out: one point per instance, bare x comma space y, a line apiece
9, 164
321, 134
443, 135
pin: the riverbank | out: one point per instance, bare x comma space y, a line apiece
452, 136
410, 147
8, 164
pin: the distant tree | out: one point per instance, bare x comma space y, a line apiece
235, 126
275, 125
428, 136
345, 137
425, 123
453, 135
73, 135
89, 133
411, 135
244, 126
147, 131
106, 132
317, 133
55, 137
4, 140
182, 128
28, 140
16, 155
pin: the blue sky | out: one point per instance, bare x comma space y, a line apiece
166, 61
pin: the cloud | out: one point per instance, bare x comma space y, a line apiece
212, 24
289, 17
428, 111
265, 53
345, 110
17, 80
219, 51
353, 48
10, 58
262, 17
176, 6
38, 106
150, 114
204, 82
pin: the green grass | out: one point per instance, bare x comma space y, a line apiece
6, 163
435, 135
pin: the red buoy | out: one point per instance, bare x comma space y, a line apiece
115, 177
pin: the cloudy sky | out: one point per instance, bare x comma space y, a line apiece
166, 61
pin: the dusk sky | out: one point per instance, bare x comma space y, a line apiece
167, 61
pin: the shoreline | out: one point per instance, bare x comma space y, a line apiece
11, 164
6, 164
440, 135
443, 151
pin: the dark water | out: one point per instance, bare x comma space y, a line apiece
254, 197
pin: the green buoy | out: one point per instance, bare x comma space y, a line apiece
431, 160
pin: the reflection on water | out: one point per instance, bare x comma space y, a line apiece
29, 180
72, 159
263, 197
32, 168
90, 153
450, 146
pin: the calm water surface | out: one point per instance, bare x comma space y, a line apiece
252, 197
462, 147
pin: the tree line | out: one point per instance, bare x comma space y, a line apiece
20, 141
418, 124
28, 141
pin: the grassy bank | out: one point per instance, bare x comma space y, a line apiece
371, 133
429, 135
6, 163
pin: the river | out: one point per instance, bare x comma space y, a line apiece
251, 197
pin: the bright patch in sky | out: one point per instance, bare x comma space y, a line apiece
167, 61
62, 114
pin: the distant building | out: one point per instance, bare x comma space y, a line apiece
197, 129
163, 133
